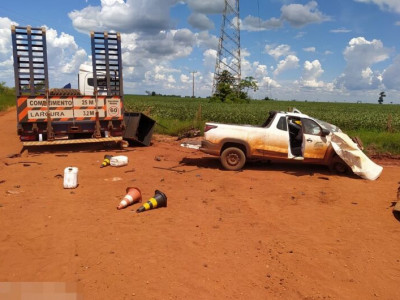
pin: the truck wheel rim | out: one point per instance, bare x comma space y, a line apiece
232, 159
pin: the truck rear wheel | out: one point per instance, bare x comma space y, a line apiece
233, 159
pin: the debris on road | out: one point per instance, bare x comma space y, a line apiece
351, 154
113, 179
106, 161
119, 161
158, 200
133, 195
189, 134
70, 177
2, 181
191, 145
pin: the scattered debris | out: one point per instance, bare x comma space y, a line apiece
17, 186
189, 134
191, 146
12, 192
70, 177
130, 171
106, 161
119, 161
22, 162
170, 169
355, 203
133, 195
323, 177
157, 158
26, 165
113, 179
58, 176
158, 200
2, 181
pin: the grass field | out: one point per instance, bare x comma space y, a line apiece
377, 125
6, 100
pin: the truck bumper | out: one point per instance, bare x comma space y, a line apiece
210, 148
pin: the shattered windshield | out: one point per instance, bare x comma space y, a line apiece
328, 126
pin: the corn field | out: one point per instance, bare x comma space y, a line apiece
347, 116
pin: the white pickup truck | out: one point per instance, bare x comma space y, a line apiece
283, 136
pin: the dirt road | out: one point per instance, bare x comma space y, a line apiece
269, 232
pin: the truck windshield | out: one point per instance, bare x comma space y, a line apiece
328, 126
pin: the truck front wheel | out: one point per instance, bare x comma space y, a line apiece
233, 159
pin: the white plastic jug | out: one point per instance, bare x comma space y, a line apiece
118, 161
70, 177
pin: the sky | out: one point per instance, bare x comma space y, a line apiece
325, 50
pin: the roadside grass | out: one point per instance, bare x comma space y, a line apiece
6, 100
379, 141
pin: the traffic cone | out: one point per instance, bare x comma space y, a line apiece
133, 195
158, 200
106, 161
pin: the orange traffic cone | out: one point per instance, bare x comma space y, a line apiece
133, 195
106, 161
158, 200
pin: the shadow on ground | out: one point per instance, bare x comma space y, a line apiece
295, 169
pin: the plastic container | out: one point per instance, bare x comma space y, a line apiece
119, 161
70, 177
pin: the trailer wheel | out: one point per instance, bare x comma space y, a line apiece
233, 159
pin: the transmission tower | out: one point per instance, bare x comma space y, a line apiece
228, 56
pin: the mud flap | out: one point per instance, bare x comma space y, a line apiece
359, 163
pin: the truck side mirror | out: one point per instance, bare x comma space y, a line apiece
325, 132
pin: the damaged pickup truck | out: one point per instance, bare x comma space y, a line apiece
287, 136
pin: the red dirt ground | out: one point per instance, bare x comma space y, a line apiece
269, 232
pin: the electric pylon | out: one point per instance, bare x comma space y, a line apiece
228, 55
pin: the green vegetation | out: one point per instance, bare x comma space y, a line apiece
7, 96
228, 93
377, 125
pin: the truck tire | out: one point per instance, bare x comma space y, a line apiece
337, 165
233, 159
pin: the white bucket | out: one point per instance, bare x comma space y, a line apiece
119, 161
70, 177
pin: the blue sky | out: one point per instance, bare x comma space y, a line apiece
338, 50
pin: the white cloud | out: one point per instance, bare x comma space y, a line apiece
389, 5
340, 30
207, 6
184, 78
360, 55
200, 21
278, 51
209, 59
204, 39
301, 15
311, 72
5, 37
290, 62
297, 15
133, 15
309, 49
390, 76
251, 23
